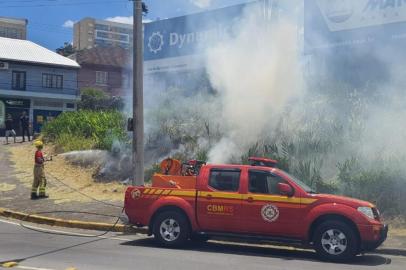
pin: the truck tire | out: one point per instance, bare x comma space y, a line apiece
335, 241
171, 229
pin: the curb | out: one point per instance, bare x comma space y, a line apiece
390, 251
71, 223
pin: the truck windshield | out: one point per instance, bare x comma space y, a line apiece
301, 184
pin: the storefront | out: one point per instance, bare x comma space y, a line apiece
46, 110
39, 111
15, 108
41, 117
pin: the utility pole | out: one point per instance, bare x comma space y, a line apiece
138, 97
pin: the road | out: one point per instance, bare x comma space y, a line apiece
39, 251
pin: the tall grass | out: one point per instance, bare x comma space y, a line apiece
86, 130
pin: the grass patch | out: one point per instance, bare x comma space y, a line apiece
83, 130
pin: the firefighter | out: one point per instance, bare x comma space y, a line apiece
9, 128
40, 181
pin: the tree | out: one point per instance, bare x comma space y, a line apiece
66, 50
95, 99
144, 9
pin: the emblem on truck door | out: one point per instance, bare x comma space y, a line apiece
135, 194
270, 212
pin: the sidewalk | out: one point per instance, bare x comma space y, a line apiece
15, 194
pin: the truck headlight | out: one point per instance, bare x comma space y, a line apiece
366, 211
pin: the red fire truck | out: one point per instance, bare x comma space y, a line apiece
251, 202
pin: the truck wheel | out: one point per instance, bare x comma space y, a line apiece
335, 241
171, 229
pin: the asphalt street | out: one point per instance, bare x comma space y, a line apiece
39, 251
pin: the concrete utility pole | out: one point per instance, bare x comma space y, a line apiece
138, 96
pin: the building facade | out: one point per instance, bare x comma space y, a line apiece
37, 81
13, 28
107, 69
89, 33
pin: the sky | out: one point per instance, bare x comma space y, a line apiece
50, 22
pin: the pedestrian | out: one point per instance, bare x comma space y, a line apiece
40, 182
9, 128
25, 124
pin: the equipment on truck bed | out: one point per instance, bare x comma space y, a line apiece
264, 162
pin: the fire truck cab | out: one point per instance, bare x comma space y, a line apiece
256, 202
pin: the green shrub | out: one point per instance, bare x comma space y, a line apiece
149, 172
67, 143
382, 184
95, 99
86, 129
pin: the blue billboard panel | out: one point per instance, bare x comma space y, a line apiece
344, 23
183, 36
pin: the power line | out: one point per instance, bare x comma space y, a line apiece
26, 1
66, 4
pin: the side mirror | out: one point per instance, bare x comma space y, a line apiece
285, 189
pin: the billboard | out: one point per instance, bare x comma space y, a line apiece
177, 44
343, 23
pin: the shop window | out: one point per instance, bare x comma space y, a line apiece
18, 80
101, 77
52, 81
2, 113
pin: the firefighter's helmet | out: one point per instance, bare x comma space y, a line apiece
38, 144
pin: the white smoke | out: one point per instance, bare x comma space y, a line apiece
201, 3
257, 73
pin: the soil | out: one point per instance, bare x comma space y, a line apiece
16, 175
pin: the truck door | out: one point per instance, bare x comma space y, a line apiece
265, 210
219, 207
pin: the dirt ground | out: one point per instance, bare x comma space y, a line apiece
16, 175
79, 178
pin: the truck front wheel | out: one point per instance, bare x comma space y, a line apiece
171, 229
335, 241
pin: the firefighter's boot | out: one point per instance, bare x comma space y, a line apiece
34, 196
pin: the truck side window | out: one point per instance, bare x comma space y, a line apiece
224, 180
263, 182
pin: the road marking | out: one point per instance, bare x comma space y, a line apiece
32, 268
65, 232
9, 264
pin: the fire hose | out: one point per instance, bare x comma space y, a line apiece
73, 212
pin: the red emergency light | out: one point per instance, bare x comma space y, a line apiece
265, 162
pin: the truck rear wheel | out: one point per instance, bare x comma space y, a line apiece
171, 229
335, 241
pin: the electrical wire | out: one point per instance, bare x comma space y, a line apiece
64, 4
83, 194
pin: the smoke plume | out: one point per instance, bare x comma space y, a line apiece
256, 73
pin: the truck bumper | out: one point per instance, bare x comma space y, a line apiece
371, 245
124, 219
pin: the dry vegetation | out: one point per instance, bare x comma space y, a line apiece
77, 177
4, 187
